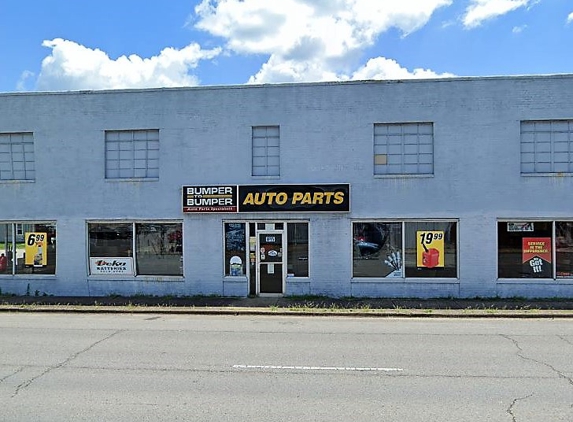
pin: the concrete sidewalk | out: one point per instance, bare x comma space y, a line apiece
310, 306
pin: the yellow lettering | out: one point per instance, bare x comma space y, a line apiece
307, 199
259, 198
281, 198
318, 198
249, 199
271, 196
339, 198
296, 197
328, 196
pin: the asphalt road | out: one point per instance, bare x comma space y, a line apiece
146, 367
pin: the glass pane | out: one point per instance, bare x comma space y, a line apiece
297, 249
235, 249
36, 249
108, 240
431, 249
564, 248
377, 249
159, 249
6, 249
524, 249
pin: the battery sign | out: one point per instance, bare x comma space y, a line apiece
430, 249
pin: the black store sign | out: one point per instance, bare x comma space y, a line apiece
267, 198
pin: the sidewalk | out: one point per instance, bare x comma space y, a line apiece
310, 306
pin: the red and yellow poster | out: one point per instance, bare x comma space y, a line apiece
430, 249
539, 247
36, 249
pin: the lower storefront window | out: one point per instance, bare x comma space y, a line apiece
535, 249
136, 248
27, 248
378, 249
405, 249
235, 249
564, 248
297, 249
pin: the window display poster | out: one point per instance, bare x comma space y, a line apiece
536, 256
111, 266
36, 249
430, 249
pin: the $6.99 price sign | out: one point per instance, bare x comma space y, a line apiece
36, 249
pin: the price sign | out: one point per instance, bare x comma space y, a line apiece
430, 249
36, 248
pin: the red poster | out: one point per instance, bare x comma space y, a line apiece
536, 247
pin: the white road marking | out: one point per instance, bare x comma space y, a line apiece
318, 368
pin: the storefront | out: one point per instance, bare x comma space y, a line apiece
267, 252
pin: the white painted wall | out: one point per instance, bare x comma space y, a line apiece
326, 137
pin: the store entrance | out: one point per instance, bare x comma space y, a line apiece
267, 257
270, 262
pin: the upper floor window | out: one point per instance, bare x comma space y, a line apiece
403, 148
131, 154
266, 151
547, 146
17, 156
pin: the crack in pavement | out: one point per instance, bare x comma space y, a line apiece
513, 403
520, 353
12, 374
27, 383
565, 340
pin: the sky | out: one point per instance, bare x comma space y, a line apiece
63, 45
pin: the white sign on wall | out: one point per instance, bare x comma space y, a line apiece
111, 266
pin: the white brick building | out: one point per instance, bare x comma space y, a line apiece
424, 188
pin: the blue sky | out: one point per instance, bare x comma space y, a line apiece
55, 45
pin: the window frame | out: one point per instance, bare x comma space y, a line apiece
534, 149
29, 165
14, 234
405, 278
555, 277
381, 155
150, 173
249, 233
266, 156
133, 256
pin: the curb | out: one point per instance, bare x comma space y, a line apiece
237, 311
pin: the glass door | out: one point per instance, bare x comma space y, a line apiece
270, 262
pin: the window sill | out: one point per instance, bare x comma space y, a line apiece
555, 174
403, 176
553, 281
21, 276
11, 181
426, 280
295, 279
135, 179
235, 278
142, 278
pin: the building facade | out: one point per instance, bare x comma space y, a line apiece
455, 187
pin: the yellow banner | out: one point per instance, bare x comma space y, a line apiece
430, 249
36, 249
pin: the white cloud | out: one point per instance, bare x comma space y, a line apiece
72, 66
309, 40
480, 11
382, 68
519, 29
23, 81
570, 18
